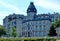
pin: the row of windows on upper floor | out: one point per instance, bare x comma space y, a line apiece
13, 24
43, 22
36, 26
30, 23
40, 27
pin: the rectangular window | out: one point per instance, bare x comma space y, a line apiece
36, 34
40, 27
14, 22
8, 26
9, 19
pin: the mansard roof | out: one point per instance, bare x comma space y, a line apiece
24, 21
39, 18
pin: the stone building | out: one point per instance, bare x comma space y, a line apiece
32, 25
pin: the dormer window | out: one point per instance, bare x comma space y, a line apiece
9, 19
14, 18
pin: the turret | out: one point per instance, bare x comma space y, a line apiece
31, 8
31, 11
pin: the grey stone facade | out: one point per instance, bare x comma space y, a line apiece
32, 25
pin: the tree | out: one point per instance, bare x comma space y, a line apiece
13, 32
2, 30
52, 31
56, 23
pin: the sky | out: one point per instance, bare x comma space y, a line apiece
8, 7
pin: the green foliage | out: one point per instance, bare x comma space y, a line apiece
56, 23
29, 39
2, 30
52, 31
13, 32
